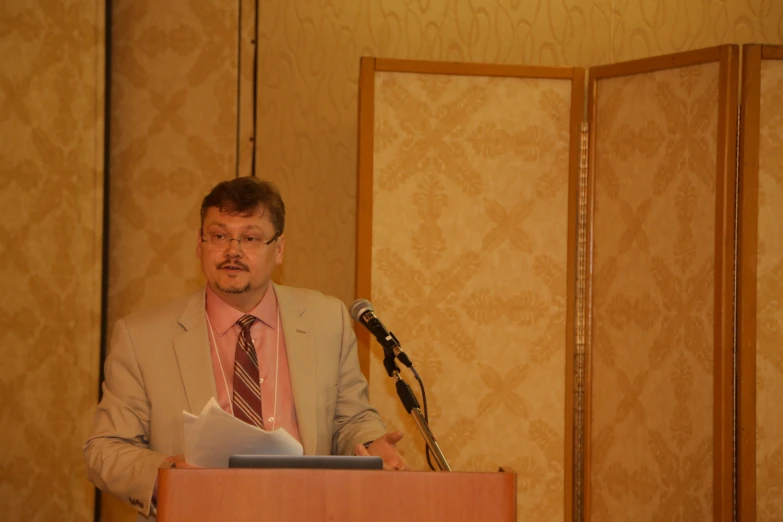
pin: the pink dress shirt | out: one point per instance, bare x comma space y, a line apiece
276, 396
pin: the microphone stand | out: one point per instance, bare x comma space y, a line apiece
411, 404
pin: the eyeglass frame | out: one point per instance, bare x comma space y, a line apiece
239, 240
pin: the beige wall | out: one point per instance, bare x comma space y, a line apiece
309, 69
51, 202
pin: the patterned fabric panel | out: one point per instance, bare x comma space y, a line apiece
652, 336
469, 265
51, 231
769, 296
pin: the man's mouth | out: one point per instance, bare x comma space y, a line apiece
233, 267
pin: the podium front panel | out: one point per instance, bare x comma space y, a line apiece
334, 495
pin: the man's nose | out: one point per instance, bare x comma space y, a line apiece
233, 249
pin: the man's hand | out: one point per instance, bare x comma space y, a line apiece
176, 461
384, 447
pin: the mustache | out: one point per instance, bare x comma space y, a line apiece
236, 264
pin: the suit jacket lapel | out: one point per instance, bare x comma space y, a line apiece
191, 348
298, 343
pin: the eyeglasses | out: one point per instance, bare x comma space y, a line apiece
218, 240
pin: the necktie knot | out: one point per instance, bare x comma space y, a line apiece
246, 321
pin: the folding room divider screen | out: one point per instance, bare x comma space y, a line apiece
659, 308
566, 288
760, 286
467, 244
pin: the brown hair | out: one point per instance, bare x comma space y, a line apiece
245, 196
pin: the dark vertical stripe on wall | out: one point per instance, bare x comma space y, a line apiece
239, 84
105, 243
106, 186
255, 89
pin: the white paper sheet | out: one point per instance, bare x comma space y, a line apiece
214, 436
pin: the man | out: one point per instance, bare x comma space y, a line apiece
273, 356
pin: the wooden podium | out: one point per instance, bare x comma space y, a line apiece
298, 495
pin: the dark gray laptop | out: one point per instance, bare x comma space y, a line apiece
305, 462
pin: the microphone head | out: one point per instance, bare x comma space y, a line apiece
359, 307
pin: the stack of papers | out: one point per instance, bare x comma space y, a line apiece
214, 436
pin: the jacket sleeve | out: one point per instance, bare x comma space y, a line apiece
355, 420
117, 452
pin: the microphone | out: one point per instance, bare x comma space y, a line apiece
363, 312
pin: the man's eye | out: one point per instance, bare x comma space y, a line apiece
219, 237
251, 239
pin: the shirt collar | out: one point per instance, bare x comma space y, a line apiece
223, 316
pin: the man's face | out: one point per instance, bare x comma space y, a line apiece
239, 273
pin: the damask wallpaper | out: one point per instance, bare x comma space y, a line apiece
769, 322
653, 289
469, 261
174, 134
175, 131
51, 204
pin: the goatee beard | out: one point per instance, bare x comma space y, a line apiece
233, 289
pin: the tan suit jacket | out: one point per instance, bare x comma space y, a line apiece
160, 364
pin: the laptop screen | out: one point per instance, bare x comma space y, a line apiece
304, 462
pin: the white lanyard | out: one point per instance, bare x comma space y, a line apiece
223, 373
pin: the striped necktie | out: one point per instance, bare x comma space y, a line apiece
247, 390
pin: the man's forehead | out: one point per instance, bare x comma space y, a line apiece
256, 217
